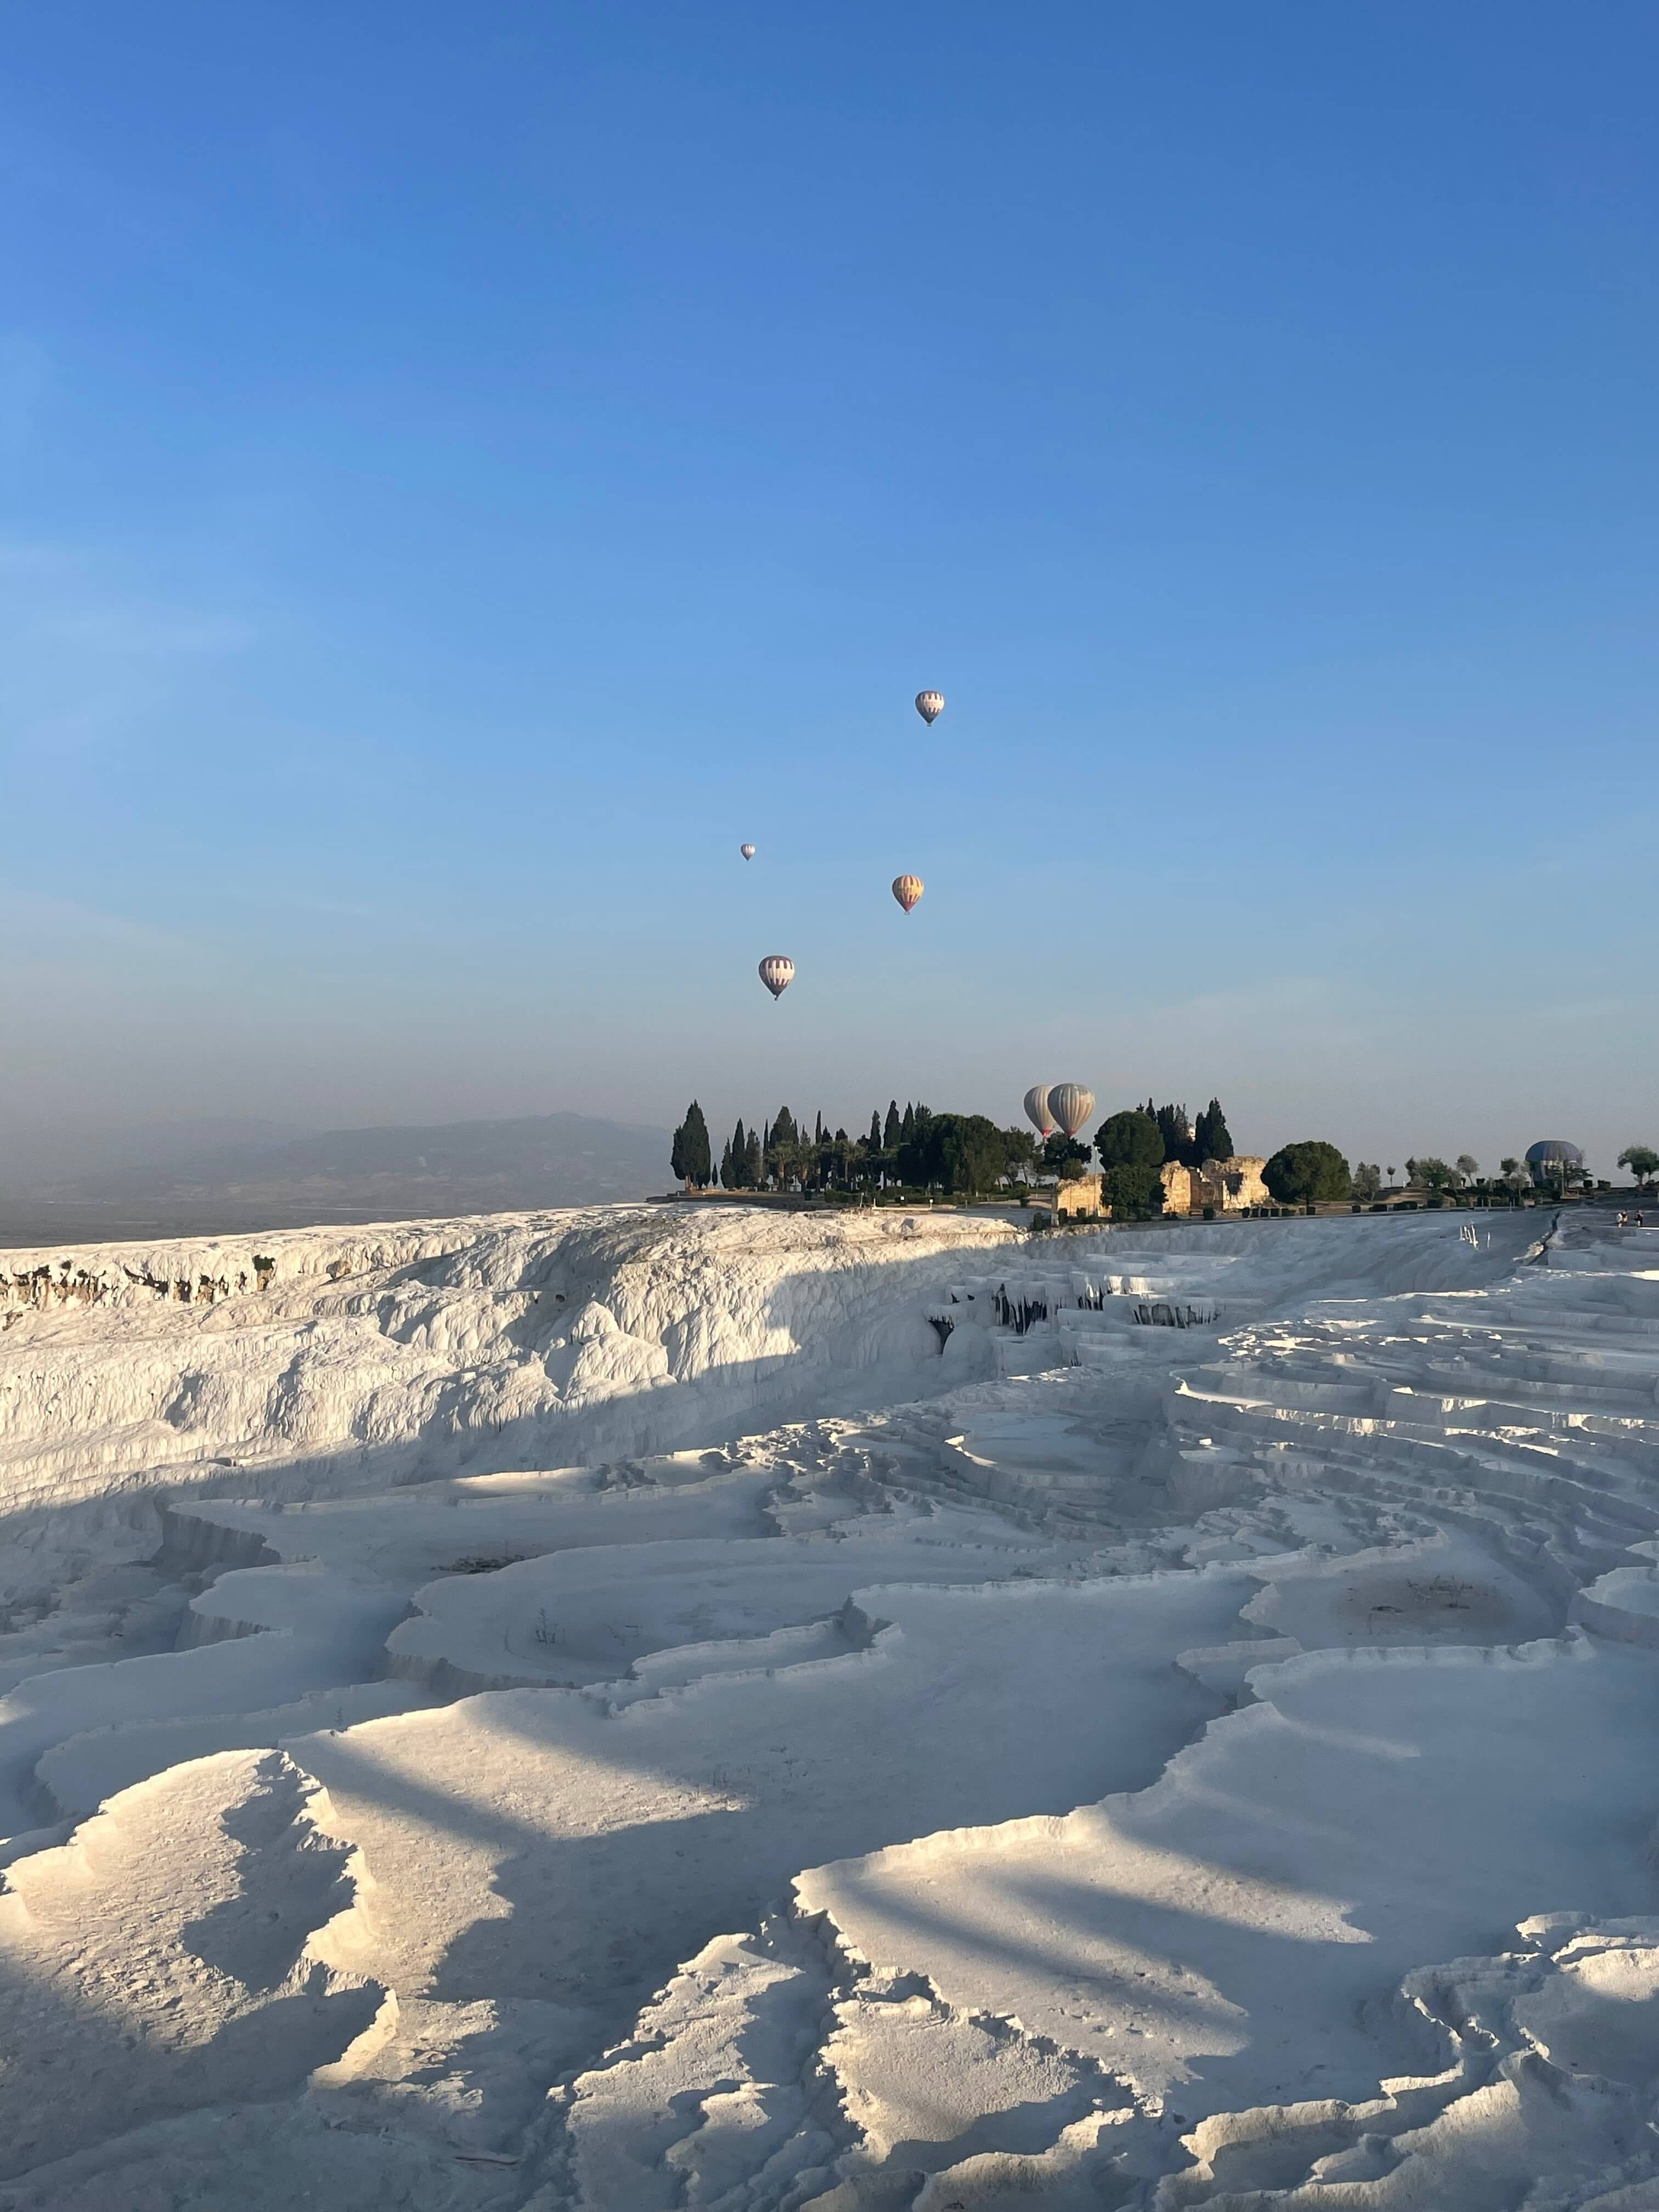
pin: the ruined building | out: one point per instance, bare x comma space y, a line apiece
1227, 1185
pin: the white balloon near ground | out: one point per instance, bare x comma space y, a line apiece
1071, 1106
777, 972
1036, 1109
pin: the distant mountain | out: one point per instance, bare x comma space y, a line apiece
347, 1175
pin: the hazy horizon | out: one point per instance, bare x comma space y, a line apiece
456, 495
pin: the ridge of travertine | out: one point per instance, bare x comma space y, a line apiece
961, 1743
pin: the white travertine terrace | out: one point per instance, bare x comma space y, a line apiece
656, 1707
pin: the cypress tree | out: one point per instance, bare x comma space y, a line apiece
908, 1125
753, 1160
695, 1162
891, 1131
875, 1129
725, 1165
677, 1157
739, 1157
1210, 1139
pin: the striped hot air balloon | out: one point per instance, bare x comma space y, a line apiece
930, 705
1071, 1106
1036, 1110
907, 889
748, 851
777, 972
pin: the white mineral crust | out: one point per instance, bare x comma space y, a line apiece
654, 1707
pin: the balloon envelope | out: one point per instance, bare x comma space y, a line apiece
1036, 1109
777, 972
907, 889
1071, 1106
748, 851
930, 705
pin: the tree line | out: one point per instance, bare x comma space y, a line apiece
961, 1154
965, 1155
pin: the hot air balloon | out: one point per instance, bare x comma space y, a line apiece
1036, 1110
907, 889
748, 851
1071, 1106
930, 705
777, 972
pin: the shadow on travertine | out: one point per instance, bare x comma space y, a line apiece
120, 2009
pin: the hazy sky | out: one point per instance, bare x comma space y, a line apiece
464, 470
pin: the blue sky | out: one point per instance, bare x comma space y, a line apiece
463, 471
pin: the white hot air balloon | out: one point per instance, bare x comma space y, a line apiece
748, 851
930, 705
777, 972
1036, 1110
1071, 1106
907, 889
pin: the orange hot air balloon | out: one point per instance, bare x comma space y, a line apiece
907, 889
777, 972
930, 705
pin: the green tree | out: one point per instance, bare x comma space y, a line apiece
693, 1162
1176, 1132
1210, 1138
739, 1178
1298, 1174
1018, 1154
1367, 1180
1064, 1157
1434, 1173
754, 1160
1467, 1167
966, 1151
1642, 1161
875, 1128
1130, 1139
1134, 1193
892, 1129
920, 1162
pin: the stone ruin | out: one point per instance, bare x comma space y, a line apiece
1229, 1186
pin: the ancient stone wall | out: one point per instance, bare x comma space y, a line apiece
1080, 1197
1227, 1185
